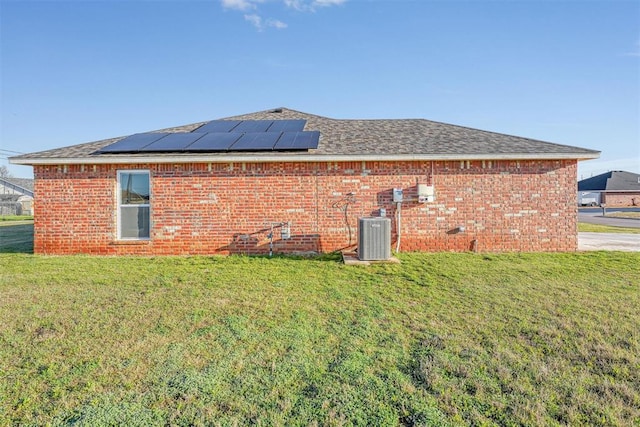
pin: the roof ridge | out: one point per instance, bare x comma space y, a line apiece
278, 110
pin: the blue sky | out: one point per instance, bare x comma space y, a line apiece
561, 71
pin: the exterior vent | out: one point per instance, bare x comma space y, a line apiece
374, 239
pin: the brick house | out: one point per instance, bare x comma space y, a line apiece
613, 188
478, 190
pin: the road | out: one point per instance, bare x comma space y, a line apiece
594, 216
609, 210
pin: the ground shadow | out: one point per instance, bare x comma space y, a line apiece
16, 237
257, 243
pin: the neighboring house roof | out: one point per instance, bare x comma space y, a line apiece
9, 197
611, 181
346, 140
21, 185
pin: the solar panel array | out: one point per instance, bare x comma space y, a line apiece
223, 135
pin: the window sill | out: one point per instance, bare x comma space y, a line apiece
131, 242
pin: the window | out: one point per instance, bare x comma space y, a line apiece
133, 205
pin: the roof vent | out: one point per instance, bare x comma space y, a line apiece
277, 110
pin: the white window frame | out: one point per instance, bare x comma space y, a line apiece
120, 206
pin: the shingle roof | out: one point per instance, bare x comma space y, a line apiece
394, 139
611, 181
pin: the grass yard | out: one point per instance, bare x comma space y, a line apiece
19, 218
597, 228
441, 339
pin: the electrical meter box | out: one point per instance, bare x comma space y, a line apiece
397, 195
285, 231
426, 193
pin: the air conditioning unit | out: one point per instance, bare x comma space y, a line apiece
374, 239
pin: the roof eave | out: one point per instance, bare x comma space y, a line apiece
33, 161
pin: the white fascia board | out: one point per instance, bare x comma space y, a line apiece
296, 158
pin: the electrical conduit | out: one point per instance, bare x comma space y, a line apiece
398, 224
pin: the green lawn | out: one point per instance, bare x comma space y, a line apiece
13, 218
441, 339
597, 228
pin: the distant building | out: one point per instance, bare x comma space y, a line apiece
16, 196
615, 188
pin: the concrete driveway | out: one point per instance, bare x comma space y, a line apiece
608, 242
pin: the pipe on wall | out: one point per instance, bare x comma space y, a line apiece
398, 224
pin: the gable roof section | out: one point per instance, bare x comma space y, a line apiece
340, 140
611, 181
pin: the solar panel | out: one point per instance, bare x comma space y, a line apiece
286, 141
253, 126
223, 135
256, 141
287, 126
173, 142
307, 140
218, 126
298, 140
133, 143
214, 141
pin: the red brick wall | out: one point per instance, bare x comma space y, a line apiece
229, 208
621, 199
